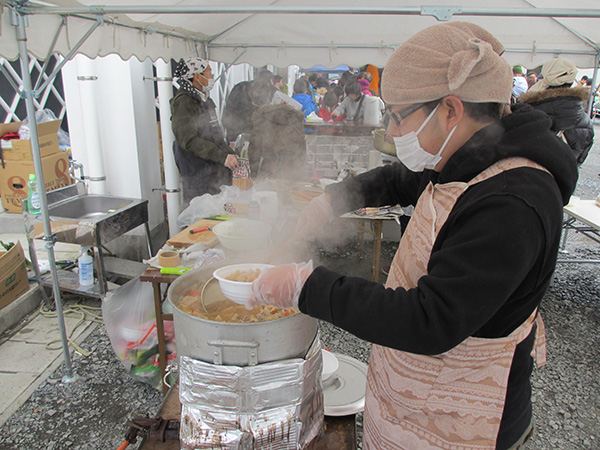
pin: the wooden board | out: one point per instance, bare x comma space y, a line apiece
185, 239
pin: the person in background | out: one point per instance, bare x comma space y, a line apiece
330, 102
339, 92
202, 155
519, 82
277, 81
237, 113
302, 95
322, 86
564, 104
262, 92
352, 105
457, 322
364, 79
531, 80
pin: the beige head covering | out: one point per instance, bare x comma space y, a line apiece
556, 72
456, 58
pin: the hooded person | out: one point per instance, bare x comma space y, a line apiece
456, 323
564, 105
202, 155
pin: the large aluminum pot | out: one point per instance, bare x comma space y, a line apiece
237, 344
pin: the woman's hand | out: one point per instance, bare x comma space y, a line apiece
232, 161
280, 285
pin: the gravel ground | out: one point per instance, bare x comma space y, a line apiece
91, 413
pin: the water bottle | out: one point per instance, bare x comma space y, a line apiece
86, 268
33, 197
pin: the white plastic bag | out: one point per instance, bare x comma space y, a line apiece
130, 320
208, 205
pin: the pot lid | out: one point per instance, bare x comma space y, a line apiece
344, 391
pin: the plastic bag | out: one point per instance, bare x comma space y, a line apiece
208, 205
41, 116
130, 320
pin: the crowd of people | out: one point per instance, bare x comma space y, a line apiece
259, 111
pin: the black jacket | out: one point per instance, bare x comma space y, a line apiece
566, 109
237, 114
490, 264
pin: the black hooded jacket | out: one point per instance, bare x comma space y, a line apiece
565, 107
490, 264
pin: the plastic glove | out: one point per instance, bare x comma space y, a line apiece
316, 214
280, 285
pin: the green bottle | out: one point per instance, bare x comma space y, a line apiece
33, 197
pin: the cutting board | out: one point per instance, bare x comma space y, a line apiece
185, 239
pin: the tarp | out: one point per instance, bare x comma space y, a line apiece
284, 32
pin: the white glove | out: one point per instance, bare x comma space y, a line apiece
280, 285
317, 213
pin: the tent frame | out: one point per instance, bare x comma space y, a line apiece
20, 9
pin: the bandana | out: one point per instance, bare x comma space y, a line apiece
185, 70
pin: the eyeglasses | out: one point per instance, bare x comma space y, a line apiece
399, 116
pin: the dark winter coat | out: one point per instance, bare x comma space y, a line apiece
237, 114
490, 264
277, 143
566, 109
200, 149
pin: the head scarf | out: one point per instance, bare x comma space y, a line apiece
556, 72
185, 70
456, 58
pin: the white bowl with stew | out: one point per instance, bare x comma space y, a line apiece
236, 280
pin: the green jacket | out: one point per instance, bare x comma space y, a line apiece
196, 128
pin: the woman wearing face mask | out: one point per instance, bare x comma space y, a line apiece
203, 157
456, 323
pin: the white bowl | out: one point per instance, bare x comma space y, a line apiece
242, 235
237, 291
330, 364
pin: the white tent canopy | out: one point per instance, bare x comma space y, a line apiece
283, 33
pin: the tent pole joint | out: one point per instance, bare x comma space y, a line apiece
441, 13
50, 240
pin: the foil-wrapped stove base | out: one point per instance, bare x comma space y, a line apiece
276, 405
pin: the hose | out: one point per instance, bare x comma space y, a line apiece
76, 311
124, 445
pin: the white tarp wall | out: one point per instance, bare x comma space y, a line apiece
127, 137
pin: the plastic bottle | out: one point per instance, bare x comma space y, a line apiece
33, 197
86, 268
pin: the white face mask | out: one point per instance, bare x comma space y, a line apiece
206, 89
412, 155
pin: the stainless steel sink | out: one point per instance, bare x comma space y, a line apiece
90, 220
89, 207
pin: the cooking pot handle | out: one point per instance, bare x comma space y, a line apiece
219, 344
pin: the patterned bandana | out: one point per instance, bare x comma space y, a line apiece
185, 70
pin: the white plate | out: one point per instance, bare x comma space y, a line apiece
344, 391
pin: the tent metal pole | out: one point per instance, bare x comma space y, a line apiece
50, 238
32, 8
49, 54
68, 56
594, 81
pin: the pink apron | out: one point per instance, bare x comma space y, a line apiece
453, 400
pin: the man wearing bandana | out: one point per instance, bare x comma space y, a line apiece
202, 155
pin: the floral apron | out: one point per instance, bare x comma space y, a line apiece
453, 400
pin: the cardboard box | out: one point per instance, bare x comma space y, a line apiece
13, 275
15, 175
20, 149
